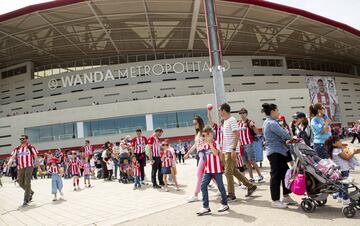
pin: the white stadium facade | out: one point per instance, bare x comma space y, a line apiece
75, 70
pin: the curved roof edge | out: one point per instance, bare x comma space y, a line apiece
267, 4
300, 12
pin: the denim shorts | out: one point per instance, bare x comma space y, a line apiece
249, 152
165, 170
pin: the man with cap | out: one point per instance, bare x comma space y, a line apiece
154, 157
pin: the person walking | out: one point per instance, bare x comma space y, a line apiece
154, 145
138, 144
320, 125
87, 149
277, 153
355, 131
25, 153
230, 147
247, 134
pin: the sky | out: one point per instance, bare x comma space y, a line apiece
343, 11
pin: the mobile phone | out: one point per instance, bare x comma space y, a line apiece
325, 116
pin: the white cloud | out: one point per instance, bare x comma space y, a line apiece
344, 11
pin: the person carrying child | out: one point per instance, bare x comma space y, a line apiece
344, 158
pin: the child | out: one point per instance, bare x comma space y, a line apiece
74, 165
110, 166
213, 169
126, 171
136, 172
87, 173
93, 166
167, 161
342, 157
56, 181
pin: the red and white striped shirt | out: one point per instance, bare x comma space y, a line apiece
24, 155
54, 169
168, 158
213, 162
156, 146
87, 168
245, 134
139, 144
136, 169
88, 150
239, 162
74, 165
219, 136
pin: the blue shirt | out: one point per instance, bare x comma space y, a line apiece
275, 137
317, 124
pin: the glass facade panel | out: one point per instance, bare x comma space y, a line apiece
52, 132
178, 119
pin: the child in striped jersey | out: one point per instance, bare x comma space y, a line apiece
167, 160
56, 181
74, 164
213, 169
87, 173
136, 172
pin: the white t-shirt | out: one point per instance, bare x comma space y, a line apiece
230, 126
92, 162
342, 163
110, 165
171, 149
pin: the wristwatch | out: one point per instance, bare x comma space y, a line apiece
234, 149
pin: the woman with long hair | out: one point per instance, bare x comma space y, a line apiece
199, 125
320, 125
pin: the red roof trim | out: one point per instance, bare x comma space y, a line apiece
300, 12
271, 5
36, 7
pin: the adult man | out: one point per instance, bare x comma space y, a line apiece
326, 99
247, 134
138, 144
25, 154
87, 149
230, 147
154, 156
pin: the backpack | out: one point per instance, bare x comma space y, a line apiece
303, 135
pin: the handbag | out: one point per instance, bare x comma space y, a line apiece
298, 185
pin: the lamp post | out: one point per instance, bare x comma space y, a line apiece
215, 53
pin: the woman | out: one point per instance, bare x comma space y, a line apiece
320, 126
199, 125
106, 155
277, 152
302, 128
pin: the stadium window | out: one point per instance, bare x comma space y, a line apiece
5, 91
264, 62
20, 94
248, 83
5, 145
272, 63
255, 62
179, 119
37, 97
5, 98
54, 132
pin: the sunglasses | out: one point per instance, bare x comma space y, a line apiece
165, 145
242, 113
22, 138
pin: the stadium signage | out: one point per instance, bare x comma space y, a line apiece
131, 72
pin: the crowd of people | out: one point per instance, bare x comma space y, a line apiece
221, 148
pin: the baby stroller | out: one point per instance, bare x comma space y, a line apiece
322, 181
125, 165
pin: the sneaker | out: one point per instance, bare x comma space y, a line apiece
31, 196
252, 180
54, 199
166, 189
61, 194
177, 188
203, 211
289, 201
346, 202
156, 186
231, 199
278, 204
78, 187
74, 188
134, 188
260, 179
192, 199
251, 190
335, 195
25, 204
339, 200
223, 208
243, 187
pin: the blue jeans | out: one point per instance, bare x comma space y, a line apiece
344, 195
204, 188
56, 183
320, 150
116, 166
137, 181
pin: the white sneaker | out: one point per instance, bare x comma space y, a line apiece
62, 194
78, 187
278, 204
192, 199
346, 202
289, 201
223, 208
166, 189
339, 200
203, 211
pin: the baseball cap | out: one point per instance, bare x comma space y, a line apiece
159, 130
281, 118
299, 115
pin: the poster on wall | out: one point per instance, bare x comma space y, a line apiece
322, 90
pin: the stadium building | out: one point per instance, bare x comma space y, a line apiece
73, 70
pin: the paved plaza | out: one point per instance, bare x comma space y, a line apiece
111, 203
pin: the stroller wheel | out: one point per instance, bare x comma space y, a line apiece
358, 205
348, 211
308, 206
321, 203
